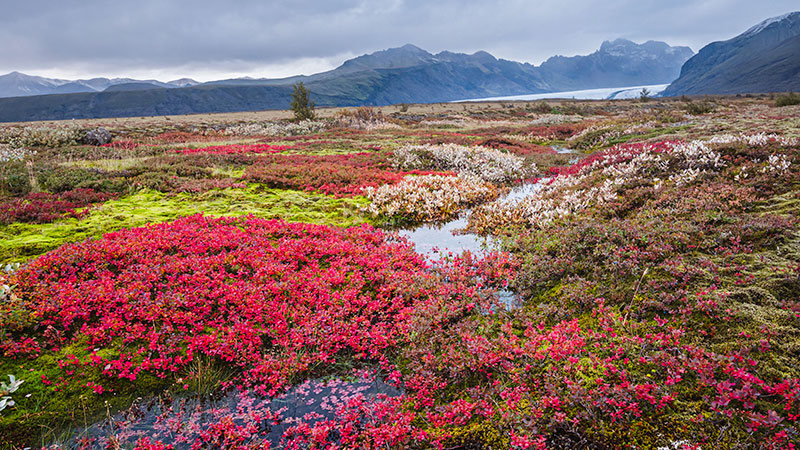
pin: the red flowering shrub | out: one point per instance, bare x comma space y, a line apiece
43, 207
516, 147
124, 144
276, 301
338, 175
236, 149
154, 298
555, 132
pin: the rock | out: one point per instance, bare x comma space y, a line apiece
100, 136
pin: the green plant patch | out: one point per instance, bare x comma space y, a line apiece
20, 242
51, 409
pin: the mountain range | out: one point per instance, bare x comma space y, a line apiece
16, 84
765, 58
404, 74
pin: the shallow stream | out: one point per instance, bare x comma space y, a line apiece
439, 239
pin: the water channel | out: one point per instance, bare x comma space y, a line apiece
180, 420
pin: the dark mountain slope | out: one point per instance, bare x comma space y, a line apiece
151, 102
765, 58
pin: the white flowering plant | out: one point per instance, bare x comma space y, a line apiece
6, 389
428, 198
596, 180
277, 128
9, 153
485, 163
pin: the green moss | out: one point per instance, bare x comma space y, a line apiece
230, 171
45, 413
21, 241
786, 204
482, 434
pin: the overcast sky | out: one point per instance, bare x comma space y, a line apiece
213, 39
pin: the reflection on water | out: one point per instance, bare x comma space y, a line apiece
562, 149
182, 421
442, 239
439, 239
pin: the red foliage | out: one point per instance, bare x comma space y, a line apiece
177, 137
125, 145
44, 207
556, 132
614, 155
338, 175
516, 147
225, 288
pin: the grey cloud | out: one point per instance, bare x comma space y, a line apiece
115, 36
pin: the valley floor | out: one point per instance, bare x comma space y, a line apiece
624, 274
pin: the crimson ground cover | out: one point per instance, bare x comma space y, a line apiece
655, 284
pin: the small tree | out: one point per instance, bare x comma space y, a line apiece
644, 95
302, 106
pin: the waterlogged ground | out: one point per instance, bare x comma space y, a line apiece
183, 419
524, 275
441, 239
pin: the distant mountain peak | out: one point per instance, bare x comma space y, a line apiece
618, 42
766, 23
408, 55
410, 47
183, 82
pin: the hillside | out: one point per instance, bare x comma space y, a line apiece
16, 84
765, 58
151, 102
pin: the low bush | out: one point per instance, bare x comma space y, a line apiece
42, 207
788, 99
428, 197
15, 179
363, 118
9, 153
301, 128
41, 136
345, 174
60, 179
485, 163
699, 108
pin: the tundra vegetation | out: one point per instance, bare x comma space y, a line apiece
220, 283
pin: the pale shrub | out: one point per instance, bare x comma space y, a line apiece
276, 128
482, 162
41, 136
428, 197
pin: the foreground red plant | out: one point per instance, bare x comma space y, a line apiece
272, 298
